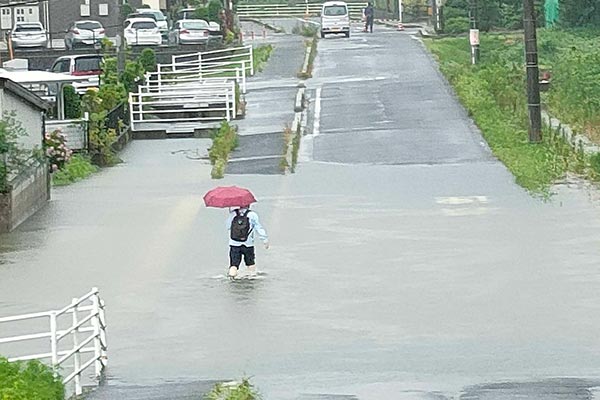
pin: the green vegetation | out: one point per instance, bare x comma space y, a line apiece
260, 56
242, 391
225, 140
72, 103
13, 157
30, 380
311, 58
306, 29
493, 92
77, 168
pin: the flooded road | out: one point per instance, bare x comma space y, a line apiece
402, 280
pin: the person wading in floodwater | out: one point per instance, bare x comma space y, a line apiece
242, 224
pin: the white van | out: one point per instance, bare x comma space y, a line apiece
335, 18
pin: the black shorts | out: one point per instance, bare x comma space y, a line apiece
236, 253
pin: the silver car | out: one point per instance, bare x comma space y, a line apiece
28, 34
84, 33
189, 31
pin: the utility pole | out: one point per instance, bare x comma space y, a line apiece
474, 32
533, 73
121, 43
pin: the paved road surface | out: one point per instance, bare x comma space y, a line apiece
417, 271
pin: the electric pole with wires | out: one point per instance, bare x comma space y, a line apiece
533, 74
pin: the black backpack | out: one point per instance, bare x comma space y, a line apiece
240, 226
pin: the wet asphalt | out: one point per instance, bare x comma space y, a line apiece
406, 265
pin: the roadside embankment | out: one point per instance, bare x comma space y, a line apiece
493, 92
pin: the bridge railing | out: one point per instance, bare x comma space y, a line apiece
66, 346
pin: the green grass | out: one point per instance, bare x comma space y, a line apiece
493, 93
242, 391
225, 140
77, 168
261, 55
29, 380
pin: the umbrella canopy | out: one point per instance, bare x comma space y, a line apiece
228, 196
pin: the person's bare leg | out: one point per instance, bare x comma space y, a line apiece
233, 271
252, 270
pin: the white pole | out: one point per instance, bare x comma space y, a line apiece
76, 356
400, 11
97, 344
53, 341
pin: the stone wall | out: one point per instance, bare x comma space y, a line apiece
29, 193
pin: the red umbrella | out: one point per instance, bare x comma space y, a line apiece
228, 196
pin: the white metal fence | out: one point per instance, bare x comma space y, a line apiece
301, 9
74, 332
200, 102
197, 88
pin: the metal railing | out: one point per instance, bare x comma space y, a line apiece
242, 56
300, 10
87, 318
202, 102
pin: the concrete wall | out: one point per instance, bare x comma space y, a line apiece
30, 118
29, 193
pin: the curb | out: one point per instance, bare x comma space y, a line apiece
304, 71
575, 140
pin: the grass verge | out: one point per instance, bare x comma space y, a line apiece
261, 55
225, 140
77, 168
311, 58
29, 380
239, 391
493, 93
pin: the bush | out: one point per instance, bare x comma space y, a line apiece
56, 150
13, 157
72, 103
242, 391
30, 380
147, 60
225, 140
261, 55
77, 168
456, 25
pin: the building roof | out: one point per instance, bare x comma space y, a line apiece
24, 94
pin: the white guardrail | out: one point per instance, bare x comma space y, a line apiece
197, 87
300, 10
189, 102
86, 329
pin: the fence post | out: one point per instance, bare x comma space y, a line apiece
76, 356
227, 108
96, 326
251, 61
244, 77
53, 341
102, 320
234, 103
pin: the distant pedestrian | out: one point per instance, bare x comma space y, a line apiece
369, 17
242, 225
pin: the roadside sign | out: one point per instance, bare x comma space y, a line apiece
474, 37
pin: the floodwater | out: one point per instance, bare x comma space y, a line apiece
407, 281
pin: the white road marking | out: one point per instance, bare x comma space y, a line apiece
317, 120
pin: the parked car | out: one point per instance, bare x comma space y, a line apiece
158, 16
28, 34
82, 33
335, 18
189, 31
80, 65
142, 31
